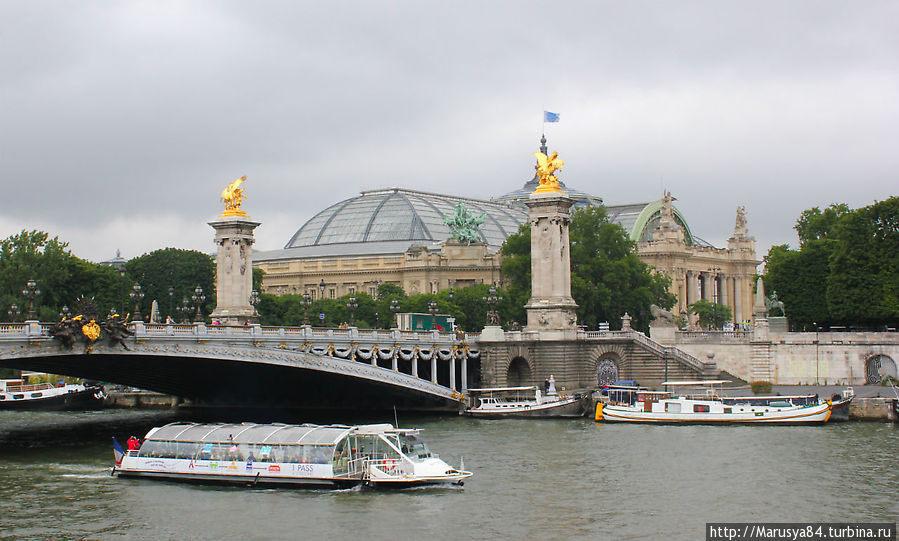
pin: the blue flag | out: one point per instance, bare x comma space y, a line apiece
550, 117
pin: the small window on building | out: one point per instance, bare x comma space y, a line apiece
351, 290
333, 293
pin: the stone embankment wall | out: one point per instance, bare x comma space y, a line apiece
146, 400
791, 358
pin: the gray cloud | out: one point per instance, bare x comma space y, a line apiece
123, 122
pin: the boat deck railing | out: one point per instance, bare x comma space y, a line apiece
29, 388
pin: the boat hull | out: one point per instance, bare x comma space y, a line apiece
239, 480
839, 409
806, 415
78, 400
563, 409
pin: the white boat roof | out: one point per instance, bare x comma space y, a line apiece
498, 389
274, 434
698, 382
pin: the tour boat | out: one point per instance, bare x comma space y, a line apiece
15, 394
331, 456
498, 402
643, 406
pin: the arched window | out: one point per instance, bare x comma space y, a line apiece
879, 367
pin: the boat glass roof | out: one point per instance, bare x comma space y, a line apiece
251, 433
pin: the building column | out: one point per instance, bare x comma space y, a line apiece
452, 366
725, 293
738, 300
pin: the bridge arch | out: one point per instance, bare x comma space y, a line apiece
519, 372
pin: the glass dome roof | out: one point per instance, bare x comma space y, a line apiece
397, 214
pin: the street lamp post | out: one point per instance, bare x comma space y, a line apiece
377, 320
395, 308
136, 295
171, 300
432, 308
199, 298
65, 312
31, 292
352, 305
306, 302
321, 288
14, 312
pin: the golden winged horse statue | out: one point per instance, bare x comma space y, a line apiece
233, 196
546, 169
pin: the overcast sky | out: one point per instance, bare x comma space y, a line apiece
123, 121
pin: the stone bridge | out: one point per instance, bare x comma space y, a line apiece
255, 366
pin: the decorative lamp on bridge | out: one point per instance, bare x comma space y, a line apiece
395, 308
352, 305
306, 302
136, 295
65, 312
199, 299
31, 293
432, 308
14, 312
184, 310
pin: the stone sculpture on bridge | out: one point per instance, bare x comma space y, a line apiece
233, 197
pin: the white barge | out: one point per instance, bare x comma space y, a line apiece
500, 402
16, 394
644, 406
308, 455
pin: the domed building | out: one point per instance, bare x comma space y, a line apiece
403, 237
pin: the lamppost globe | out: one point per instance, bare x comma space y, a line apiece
14, 311
352, 305
31, 293
64, 313
136, 295
395, 308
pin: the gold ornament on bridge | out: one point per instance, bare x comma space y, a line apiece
546, 169
91, 330
233, 196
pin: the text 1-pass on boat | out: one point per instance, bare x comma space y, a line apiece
283, 455
643, 406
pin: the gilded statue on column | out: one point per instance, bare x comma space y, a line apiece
546, 172
233, 196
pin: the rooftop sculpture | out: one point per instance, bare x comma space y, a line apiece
465, 226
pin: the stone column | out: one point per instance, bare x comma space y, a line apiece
464, 373
234, 270
724, 295
452, 367
414, 365
738, 299
434, 367
692, 287
551, 306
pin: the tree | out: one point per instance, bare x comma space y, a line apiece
61, 276
800, 280
171, 267
607, 277
815, 224
711, 314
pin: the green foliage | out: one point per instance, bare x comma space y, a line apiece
182, 269
760, 387
846, 271
711, 315
607, 277
61, 277
815, 224
258, 275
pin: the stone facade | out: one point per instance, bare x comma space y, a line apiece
420, 269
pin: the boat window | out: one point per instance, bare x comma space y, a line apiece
341, 458
700, 408
37, 395
18, 396
727, 410
413, 447
672, 407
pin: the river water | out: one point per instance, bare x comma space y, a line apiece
551, 479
